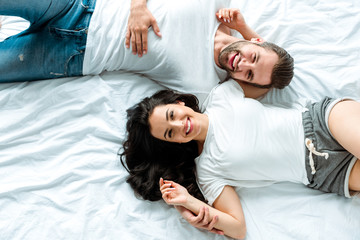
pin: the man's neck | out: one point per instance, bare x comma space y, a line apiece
222, 40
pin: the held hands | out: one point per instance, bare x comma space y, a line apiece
140, 20
232, 18
173, 193
202, 220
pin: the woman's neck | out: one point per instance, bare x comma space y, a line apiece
200, 140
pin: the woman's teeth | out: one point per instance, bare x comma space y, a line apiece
188, 126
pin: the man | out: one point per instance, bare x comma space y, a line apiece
275, 69
72, 38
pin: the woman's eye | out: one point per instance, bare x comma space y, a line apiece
249, 75
254, 58
172, 115
170, 133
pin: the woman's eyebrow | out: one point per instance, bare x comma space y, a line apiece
167, 119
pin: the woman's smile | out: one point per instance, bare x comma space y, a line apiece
177, 123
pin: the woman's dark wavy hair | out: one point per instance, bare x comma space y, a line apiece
148, 158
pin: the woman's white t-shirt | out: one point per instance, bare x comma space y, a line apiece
249, 144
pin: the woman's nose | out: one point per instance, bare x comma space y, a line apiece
177, 124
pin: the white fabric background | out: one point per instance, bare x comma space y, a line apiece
61, 177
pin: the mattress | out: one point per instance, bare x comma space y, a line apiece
61, 176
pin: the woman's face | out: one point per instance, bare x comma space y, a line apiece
176, 123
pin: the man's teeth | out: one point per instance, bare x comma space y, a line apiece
188, 127
235, 60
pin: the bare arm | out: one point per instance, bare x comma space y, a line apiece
140, 19
202, 220
227, 207
232, 18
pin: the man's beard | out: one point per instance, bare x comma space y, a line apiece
234, 47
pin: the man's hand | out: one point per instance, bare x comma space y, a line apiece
140, 20
232, 18
202, 220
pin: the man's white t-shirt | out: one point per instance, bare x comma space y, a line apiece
249, 144
182, 59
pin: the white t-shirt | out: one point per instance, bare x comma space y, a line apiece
183, 59
249, 144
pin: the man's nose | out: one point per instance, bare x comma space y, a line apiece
243, 65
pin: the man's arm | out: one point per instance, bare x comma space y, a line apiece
232, 18
227, 207
140, 19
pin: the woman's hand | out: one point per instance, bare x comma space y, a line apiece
173, 193
140, 20
232, 18
202, 220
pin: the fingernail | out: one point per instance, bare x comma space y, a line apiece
144, 52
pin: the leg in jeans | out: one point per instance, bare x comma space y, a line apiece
36, 12
54, 44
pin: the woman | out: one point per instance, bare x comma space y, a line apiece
243, 143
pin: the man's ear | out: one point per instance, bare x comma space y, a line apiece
180, 102
257, 40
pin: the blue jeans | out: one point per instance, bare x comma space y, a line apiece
54, 44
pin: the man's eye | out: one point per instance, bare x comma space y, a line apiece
170, 133
249, 75
172, 115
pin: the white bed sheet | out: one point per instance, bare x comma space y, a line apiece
61, 177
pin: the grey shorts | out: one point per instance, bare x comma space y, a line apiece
328, 164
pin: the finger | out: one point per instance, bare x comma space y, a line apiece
165, 186
127, 38
231, 15
216, 231
168, 190
213, 222
170, 182
161, 182
144, 41
206, 219
166, 196
156, 28
226, 15
218, 14
133, 42
200, 216
222, 14
139, 43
